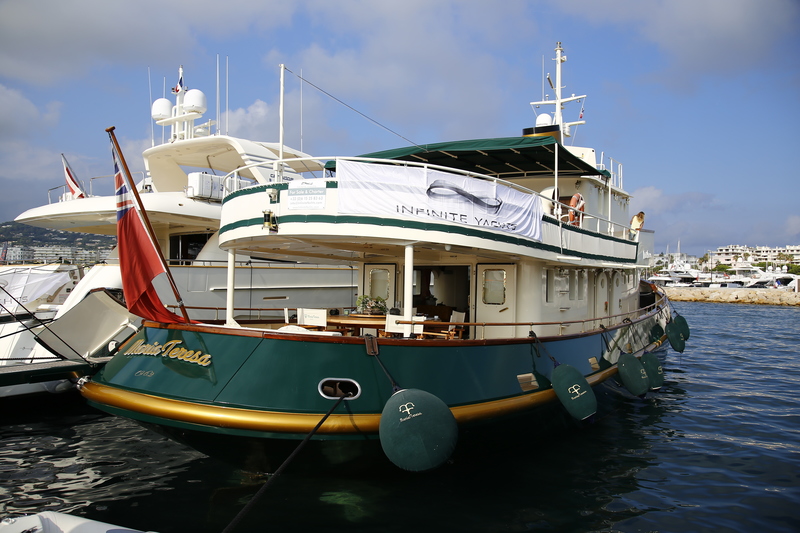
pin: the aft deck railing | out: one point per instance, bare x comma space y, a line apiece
275, 315
90, 193
232, 184
593, 324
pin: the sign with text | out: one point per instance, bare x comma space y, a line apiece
387, 190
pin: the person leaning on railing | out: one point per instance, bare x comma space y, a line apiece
636, 224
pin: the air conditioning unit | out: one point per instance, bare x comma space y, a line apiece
204, 186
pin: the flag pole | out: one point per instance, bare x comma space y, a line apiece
146, 220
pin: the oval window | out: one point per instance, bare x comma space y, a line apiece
334, 388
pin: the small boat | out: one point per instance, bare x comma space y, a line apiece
30, 297
54, 522
499, 281
677, 274
725, 285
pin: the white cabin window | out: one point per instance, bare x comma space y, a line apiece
379, 283
494, 286
549, 285
581, 285
573, 284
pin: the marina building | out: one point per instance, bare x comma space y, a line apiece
735, 253
54, 254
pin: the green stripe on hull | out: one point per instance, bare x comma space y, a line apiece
452, 229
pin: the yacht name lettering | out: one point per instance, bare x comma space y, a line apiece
463, 218
432, 213
510, 226
170, 349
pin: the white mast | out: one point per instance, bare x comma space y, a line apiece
280, 120
559, 101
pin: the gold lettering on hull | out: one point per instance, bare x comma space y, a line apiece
170, 349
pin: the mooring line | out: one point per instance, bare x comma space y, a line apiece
41, 322
238, 518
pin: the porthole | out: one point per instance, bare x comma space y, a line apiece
334, 388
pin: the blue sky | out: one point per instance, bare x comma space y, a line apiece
699, 99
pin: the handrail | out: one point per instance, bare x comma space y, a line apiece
611, 224
89, 193
630, 315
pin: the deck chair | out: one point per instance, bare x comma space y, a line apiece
392, 328
419, 328
452, 330
312, 318
456, 332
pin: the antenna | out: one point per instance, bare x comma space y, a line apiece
301, 110
542, 76
550, 81
217, 96
280, 119
227, 110
150, 92
163, 95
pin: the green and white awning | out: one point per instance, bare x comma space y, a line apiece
505, 157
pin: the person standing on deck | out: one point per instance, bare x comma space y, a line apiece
636, 224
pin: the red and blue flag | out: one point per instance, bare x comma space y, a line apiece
72, 182
139, 260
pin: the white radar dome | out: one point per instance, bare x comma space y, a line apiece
195, 101
162, 108
543, 120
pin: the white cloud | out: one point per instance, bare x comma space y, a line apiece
20, 117
792, 227
413, 64
653, 200
702, 37
253, 122
47, 40
27, 163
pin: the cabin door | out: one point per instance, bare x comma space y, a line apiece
601, 295
496, 300
616, 290
380, 280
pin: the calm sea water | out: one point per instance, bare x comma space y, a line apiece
717, 449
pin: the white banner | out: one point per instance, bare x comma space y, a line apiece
387, 190
22, 287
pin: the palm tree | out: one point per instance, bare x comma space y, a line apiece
704, 261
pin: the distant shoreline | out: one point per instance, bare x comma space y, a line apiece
740, 296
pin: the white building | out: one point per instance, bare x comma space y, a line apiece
735, 253
55, 254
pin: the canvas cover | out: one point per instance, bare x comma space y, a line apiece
417, 192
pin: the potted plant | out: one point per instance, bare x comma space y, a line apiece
368, 305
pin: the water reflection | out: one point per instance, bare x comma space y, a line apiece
718, 448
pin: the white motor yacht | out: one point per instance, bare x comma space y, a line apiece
182, 188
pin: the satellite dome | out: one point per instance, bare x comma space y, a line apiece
195, 101
543, 120
162, 108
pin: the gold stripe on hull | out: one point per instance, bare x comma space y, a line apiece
277, 422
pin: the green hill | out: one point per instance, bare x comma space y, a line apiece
23, 235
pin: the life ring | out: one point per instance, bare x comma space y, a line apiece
576, 204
